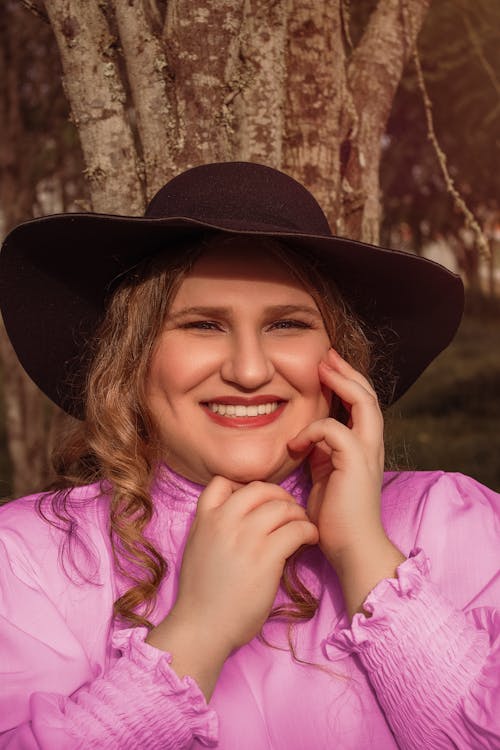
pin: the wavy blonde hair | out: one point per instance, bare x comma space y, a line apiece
117, 443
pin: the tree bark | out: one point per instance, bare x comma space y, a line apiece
315, 100
152, 89
374, 71
256, 101
98, 103
202, 43
240, 79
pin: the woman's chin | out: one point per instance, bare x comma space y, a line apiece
263, 471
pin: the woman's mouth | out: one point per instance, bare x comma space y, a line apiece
239, 410
244, 415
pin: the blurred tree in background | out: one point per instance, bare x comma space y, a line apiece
40, 173
460, 52
156, 86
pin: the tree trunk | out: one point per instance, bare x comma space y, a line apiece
140, 34
374, 71
98, 101
237, 79
28, 414
316, 101
255, 102
202, 43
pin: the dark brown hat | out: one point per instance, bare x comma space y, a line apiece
56, 271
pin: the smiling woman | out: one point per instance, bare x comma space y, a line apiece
229, 360
151, 382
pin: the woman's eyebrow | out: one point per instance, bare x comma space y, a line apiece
228, 311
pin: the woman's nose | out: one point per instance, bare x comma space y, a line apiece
247, 362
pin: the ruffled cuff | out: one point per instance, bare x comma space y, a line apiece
383, 602
141, 702
420, 653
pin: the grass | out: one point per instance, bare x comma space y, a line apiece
450, 419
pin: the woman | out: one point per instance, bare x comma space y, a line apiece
227, 480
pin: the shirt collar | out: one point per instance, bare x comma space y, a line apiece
181, 494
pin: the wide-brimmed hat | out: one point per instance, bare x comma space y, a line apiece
56, 271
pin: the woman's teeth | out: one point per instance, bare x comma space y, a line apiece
238, 410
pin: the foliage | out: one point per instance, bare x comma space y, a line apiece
460, 57
449, 419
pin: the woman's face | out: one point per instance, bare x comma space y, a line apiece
234, 374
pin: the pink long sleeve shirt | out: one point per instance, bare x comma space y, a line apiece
422, 672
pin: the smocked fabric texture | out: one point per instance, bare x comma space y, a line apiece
422, 671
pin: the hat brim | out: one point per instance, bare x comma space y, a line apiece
55, 273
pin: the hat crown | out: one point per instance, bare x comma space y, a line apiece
242, 196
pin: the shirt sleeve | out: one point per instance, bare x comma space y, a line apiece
431, 647
138, 702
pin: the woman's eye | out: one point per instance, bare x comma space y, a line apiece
211, 325
203, 325
290, 324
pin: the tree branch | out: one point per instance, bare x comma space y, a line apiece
460, 204
476, 44
374, 72
148, 75
387, 45
98, 103
35, 10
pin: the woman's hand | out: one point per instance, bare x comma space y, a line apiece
234, 557
347, 464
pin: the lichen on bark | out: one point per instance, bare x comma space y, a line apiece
97, 98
